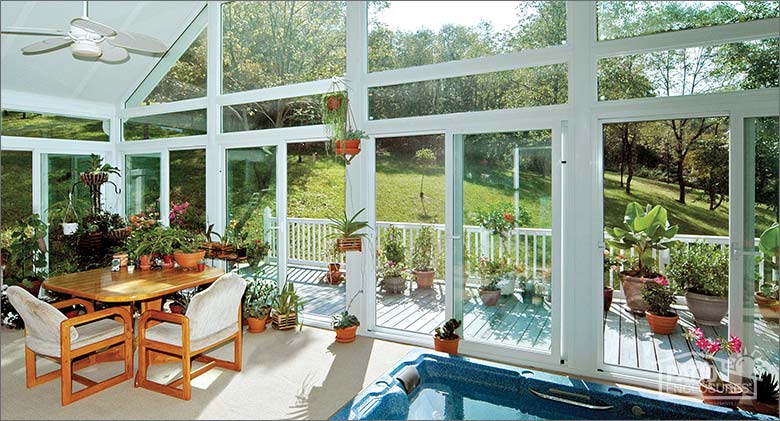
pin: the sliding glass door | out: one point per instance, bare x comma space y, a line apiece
505, 239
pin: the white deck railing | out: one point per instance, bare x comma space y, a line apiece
529, 247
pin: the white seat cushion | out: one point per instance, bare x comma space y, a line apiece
170, 333
88, 334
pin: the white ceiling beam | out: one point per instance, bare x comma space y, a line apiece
25, 101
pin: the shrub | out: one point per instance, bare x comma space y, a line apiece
393, 245
701, 268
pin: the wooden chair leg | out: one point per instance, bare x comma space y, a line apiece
66, 379
143, 363
128, 354
186, 367
237, 358
29, 363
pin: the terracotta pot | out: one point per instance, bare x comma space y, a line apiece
449, 346
348, 147
189, 260
256, 325
608, 293
490, 298
769, 307
177, 308
394, 285
168, 261
347, 334
632, 289
765, 408
424, 279
201, 267
706, 309
144, 261
727, 395
662, 325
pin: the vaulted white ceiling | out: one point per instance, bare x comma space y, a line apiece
58, 73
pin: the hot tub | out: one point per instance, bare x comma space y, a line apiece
428, 385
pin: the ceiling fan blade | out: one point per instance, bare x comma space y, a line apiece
46, 45
94, 27
31, 31
140, 42
113, 54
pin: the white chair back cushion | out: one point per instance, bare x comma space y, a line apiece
41, 319
216, 308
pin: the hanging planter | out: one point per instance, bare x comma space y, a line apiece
349, 244
70, 228
350, 145
93, 179
339, 121
346, 231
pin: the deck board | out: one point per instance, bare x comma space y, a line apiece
628, 341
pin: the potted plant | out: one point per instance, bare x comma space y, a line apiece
257, 303
335, 275
165, 244
660, 294
287, 305
702, 270
346, 324
540, 291
392, 274
346, 231
422, 257
143, 245
350, 144
392, 271
716, 391
645, 230
256, 251
201, 265
187, 246
445, 339
99, 172
24, 260
767, 394
767, 296
489, 272
612, 264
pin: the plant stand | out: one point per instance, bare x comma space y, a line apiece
284, 321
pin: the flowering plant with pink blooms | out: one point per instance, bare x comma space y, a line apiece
175, 216
659, 294
710, 347
392, 269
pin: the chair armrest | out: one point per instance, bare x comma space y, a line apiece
66, 324
156, 315
75, 301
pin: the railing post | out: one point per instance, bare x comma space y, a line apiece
267, 225
484, 243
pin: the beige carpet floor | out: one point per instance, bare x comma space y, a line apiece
286, 375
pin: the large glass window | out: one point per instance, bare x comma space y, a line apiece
187, 182
681, 165
251, 202
275, 43
404, 34
410, 204
273, 114
142, 184
27, 124
507, 238
691, 71
161, 126
181, 72
527, 87
625, 19
16, 173
315, 191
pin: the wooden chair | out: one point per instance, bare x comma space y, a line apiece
213, 318
74, 342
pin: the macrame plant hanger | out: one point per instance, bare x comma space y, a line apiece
340, 121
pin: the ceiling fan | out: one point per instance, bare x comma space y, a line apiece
89, 39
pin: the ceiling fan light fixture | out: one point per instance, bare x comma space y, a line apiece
86, 49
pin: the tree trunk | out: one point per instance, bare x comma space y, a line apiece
681, 180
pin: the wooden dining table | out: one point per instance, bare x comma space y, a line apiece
146, 287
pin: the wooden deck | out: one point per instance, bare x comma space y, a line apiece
515, 321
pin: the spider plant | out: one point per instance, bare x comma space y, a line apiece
346, 227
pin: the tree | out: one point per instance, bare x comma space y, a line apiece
708, 169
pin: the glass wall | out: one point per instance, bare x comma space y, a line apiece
187, 190
27, 124
142, 184
762, 235
274, 114
160, 126
16, 173
529, 87
507, 241
315, 191
251, 203
410, 205
681, 165
405, 34
275, 43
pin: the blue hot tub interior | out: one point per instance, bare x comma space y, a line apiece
459, 388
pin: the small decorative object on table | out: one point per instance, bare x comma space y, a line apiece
645, 231
767, 395
201, 265
660, 294
131, 267
715, 390
445, 339
116, 265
